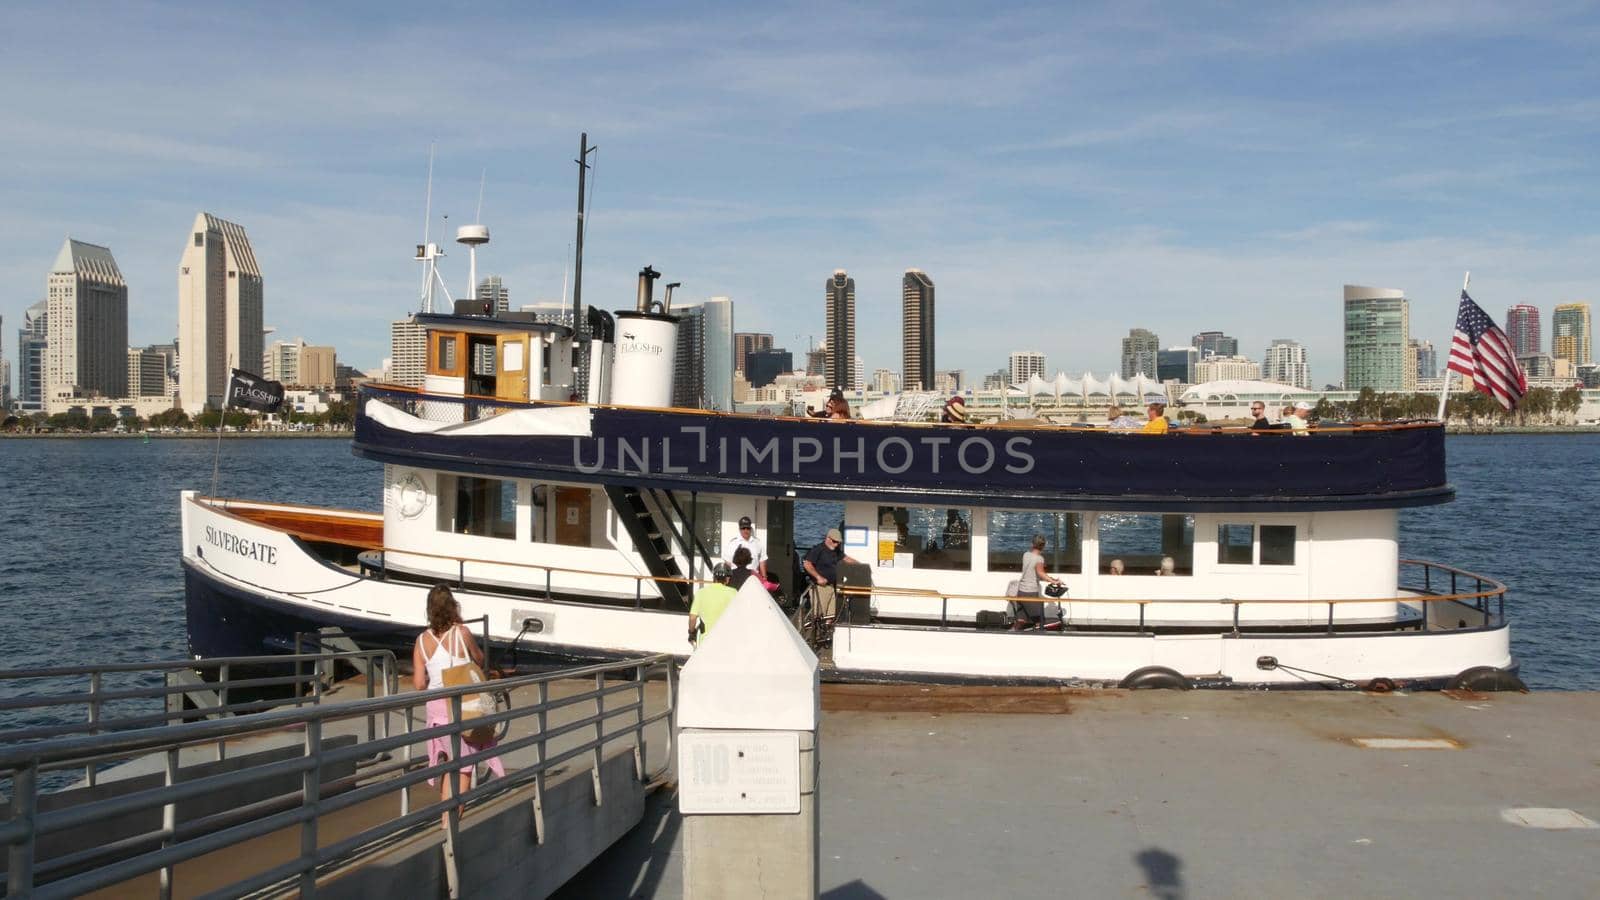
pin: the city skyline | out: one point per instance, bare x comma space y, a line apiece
1207, 176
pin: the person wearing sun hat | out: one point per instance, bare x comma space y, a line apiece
955, 411
1300, 419
822, 566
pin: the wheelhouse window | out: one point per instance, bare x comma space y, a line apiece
1236, 544
445, 354
935, 537
484, 507
1011, 534
1277, 545
1144, 542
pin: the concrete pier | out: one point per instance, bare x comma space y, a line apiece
1196, 794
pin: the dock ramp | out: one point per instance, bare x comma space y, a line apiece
327, 793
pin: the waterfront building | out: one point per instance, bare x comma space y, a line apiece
816, 361
169, 356
87, 299
884, 382
1377, 340
1177, 364
688, 371
1024, 363
281, 361
746, 343
916, 291
703, 367
717, 361
1522, 329
839, 343
493, 291
1139, 351
32, 342
1215, 343
1286, 362
1570, 333
1226, 368
318, 367
764, 366
408, 352
1427, 359
996, 380
1540, 365
858, 373
950, 381
220, 307
147, 372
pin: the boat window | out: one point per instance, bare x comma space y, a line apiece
486, 507
935, 537
1277, 545
1011, 534
445, 350
1143, 541
1236, 544
708, 524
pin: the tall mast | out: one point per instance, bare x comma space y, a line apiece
577, 265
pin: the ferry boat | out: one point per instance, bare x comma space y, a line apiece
579, 530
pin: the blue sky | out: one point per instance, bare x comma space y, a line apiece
1063, 174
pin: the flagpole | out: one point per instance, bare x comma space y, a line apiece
1444, 389
222, 418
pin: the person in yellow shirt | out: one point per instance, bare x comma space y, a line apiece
710, 602
1158, 419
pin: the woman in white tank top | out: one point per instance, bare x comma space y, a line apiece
446, 643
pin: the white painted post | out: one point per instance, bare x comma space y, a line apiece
748, 707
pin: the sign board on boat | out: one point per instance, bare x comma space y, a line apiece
740, 772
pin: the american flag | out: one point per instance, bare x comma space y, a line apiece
1482, 352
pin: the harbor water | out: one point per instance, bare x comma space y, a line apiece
89, 540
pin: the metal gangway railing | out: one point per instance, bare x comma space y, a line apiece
389, 767
57, 701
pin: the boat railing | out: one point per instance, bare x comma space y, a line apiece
393, 774
1486, 596
442, 407
117, 697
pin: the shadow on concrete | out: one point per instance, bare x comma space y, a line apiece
855, 890
637, 865
1161, 874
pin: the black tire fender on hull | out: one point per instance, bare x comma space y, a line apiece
1487, 678
1154, 678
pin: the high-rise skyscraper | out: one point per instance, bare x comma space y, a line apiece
839, 342
916, 291
1377, 340
1227, 368
408, 352
1570, 334
1427, 359
764, 366
1177, 364
220, 309
746, 343
717, 353
88, 324
492, 290
688, 367
32, 340
1023, 363
147, 372
817, 361
1139, 351
1522, 329
1286, 362
1214, 343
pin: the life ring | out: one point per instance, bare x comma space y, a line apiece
1154, 678
1487, 678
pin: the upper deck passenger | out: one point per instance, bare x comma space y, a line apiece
955, 411
1158, 419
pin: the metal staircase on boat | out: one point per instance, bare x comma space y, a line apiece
651, 535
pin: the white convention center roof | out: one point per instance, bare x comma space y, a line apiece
1240, 389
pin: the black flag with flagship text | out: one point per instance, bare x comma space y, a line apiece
254, 392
